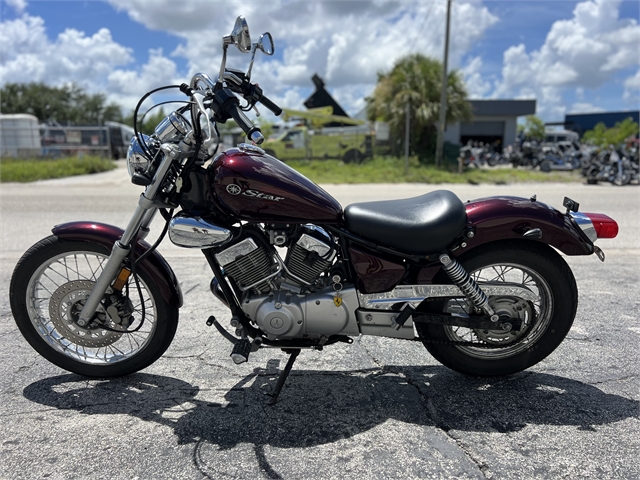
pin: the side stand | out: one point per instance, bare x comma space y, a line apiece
293, 354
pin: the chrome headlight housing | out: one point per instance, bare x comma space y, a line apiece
172, 129
139, 159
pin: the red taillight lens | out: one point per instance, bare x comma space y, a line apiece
606, 227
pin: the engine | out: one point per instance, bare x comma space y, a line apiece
295, 297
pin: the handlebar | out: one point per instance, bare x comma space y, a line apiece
225, 104
253, 132
270, 105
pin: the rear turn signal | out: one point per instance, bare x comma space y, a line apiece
606, 227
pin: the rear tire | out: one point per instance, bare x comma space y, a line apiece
532, 265
47, 290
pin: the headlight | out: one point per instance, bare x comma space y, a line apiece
138, 160
172, 129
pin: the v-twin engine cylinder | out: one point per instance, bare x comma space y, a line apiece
284, 314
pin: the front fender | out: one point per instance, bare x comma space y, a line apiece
501, 218
155, 266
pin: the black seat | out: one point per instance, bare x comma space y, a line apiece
418, 225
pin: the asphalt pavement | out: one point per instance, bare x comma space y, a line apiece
379, 408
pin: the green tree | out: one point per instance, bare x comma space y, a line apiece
69, 104
533, 128
603, 136
416, 80
147, 122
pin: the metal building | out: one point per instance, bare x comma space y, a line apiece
494, 122
581, 122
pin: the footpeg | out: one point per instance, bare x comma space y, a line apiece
401, 319
241, 351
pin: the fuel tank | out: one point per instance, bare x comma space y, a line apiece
251, 185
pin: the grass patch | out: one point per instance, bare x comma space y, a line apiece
29, 170
391, 170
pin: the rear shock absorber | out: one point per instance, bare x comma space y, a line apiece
469, 287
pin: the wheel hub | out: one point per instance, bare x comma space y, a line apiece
507, 308
65, 306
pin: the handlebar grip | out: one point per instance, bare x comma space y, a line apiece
270, 105
253, 132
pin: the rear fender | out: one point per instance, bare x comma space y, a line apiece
508, 218
155, 266
502, 218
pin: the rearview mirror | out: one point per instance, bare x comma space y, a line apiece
266, 43
240, 36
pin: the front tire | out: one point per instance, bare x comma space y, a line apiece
546, 321
48, 287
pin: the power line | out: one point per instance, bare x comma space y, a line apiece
424, 22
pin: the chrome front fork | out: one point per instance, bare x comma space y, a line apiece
138, 228
139, 222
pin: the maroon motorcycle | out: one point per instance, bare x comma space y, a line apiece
480, 284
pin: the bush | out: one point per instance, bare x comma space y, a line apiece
19, 170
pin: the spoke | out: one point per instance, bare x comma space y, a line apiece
113, 347
50, 279
44, 288
66, 267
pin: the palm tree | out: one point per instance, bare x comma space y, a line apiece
416, 79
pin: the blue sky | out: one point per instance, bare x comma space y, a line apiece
570, 55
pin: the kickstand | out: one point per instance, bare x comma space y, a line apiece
293, 354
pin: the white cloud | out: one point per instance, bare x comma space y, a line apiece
28, 55
584, 107
477, 86
346, 43
585, 51
632, 90
18, 5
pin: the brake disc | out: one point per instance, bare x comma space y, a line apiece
65, 306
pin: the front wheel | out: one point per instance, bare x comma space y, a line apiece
48, 289
545, 321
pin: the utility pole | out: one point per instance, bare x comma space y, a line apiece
443, 92
406, 138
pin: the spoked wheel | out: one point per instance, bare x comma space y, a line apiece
545, 321
49, 287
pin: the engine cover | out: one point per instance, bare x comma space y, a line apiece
284, 314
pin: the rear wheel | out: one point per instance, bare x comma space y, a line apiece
48, 289
545, 322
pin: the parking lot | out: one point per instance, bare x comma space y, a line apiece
378, 408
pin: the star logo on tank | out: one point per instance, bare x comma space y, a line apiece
234, 189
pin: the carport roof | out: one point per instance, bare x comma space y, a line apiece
511, 108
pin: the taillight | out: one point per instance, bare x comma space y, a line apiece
605, 226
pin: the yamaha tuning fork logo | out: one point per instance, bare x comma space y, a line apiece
234, 189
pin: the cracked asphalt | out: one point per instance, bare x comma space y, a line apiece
379, 408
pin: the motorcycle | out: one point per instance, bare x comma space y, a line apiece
480, 284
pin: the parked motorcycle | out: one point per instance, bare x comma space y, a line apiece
616, 167
478, 283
